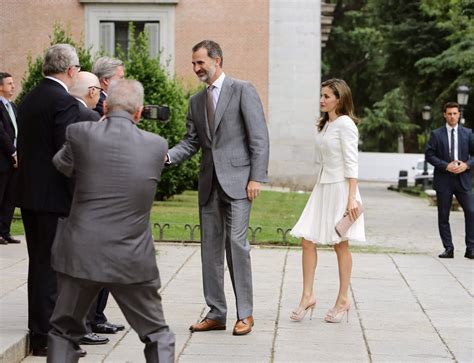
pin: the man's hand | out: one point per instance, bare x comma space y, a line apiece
457, 167
253, 190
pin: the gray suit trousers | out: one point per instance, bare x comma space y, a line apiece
140, 303
225, 224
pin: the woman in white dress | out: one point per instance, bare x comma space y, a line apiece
334, 194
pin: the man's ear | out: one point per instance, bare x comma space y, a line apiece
138, 115
90, 92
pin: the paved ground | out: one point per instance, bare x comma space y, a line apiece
408, 306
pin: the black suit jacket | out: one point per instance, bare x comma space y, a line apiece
43, 116
86, 114
437, 154
7, 137
99, 108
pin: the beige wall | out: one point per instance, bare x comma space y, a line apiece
239, 26
25, 29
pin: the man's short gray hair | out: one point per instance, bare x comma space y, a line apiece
59, 58
125, 95
105, 67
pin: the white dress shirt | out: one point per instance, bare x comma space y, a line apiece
448, 129
216, 91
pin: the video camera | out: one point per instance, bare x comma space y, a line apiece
156, 112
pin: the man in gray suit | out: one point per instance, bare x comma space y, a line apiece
106, 241
227, 122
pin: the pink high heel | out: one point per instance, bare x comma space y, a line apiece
299, 313
335, 316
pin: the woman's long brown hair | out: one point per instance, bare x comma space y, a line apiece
345, 106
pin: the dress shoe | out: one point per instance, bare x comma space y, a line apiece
448, 253
105, 328
93, 339
3, 241
40, 352
243, 326
469, 253
10, 239
206, 325
119, 327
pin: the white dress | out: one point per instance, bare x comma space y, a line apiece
337, 160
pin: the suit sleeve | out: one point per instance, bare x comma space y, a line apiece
432, 151
190, 143
470, 161
66, 114
257, 133
6, 142
349, 144
63, 160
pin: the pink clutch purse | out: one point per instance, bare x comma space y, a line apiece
345, 223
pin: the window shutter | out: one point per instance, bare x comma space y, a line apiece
107, 37
153, 32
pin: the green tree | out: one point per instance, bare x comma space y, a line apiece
34, 73
160, 88
385, 122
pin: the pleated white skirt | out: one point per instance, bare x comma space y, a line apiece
325, 207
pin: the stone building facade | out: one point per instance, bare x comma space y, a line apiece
275, 44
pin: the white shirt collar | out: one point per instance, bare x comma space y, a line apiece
57, 80
81, 101
4, 100
218, 82
455, 128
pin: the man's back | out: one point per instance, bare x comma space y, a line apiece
116, 167
43, 117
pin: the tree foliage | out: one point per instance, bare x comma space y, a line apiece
159, 87
423, 48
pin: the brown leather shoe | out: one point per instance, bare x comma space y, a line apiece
243, 326
207, 324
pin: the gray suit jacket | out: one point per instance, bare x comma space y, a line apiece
237, 148
107, 236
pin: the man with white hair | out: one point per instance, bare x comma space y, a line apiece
43, 194
107, 69
106, 241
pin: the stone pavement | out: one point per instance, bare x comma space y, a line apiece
408, 306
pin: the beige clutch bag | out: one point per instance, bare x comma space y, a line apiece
345, 223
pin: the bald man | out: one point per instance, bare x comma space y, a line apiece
86, 90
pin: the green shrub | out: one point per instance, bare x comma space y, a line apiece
159, 89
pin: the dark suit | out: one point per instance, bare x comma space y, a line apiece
107, 240
7, 171
43, 194
97, 315
86, 114
448, 184
99, 108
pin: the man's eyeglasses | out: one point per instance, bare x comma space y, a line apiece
77, 66
95, 87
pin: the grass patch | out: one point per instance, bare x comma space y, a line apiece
270, 211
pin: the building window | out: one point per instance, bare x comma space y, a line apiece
107, 25
115, 35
